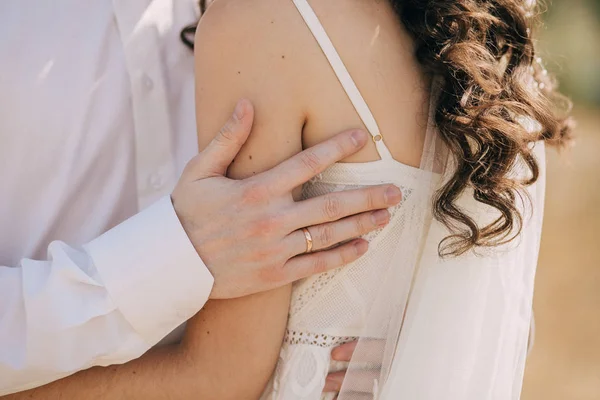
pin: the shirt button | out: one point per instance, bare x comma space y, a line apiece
156, 181
147, 82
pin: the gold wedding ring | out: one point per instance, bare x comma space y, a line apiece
309, 241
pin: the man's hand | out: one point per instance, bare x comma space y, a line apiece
249, 232
361, 387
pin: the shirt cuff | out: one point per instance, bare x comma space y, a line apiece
152, 271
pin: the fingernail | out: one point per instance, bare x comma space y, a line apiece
381, 217
361, 247
393, 195
359, 138
240, 110
334, 354
338, 355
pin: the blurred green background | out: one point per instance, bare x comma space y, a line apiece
565, 361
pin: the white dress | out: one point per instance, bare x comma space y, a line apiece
431, 347
330, 309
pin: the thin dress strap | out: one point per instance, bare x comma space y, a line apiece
343, 76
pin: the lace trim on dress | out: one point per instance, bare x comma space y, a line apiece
315, 339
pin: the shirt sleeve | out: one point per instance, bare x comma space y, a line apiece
105, 303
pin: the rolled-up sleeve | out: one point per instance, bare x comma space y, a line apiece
105, 303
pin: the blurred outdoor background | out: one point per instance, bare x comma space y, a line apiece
565, 362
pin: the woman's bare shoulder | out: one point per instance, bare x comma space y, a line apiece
251, 48
247, 49
257, 30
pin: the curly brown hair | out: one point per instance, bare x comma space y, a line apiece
492, 83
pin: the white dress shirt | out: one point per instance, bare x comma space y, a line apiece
96, 124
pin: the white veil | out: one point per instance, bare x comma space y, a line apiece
454, 328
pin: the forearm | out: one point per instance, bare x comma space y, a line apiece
104, 303
229, 351
162, 373
237, 342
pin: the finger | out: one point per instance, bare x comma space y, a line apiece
333, 206
362, 381
333, 382
371, 351
333, 233
221, 151
344, 352
356, 396
311, 162
314, 263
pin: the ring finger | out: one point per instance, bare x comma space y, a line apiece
333, 233
337, 205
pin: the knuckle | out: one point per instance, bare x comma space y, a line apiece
260, 227
371, 202
226, 134
255, 192
361, 225
339, 147
332, 207
326, 235
265, 251
265, 226
320, 264
272, 275
311, 161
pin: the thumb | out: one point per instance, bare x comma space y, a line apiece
218, 155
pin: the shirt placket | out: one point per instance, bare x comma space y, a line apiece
155, 167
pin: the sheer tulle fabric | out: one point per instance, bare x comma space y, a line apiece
463, 331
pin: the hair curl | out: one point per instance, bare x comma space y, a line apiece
492, 83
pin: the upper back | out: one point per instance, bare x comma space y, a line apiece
378, 54
281, 68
